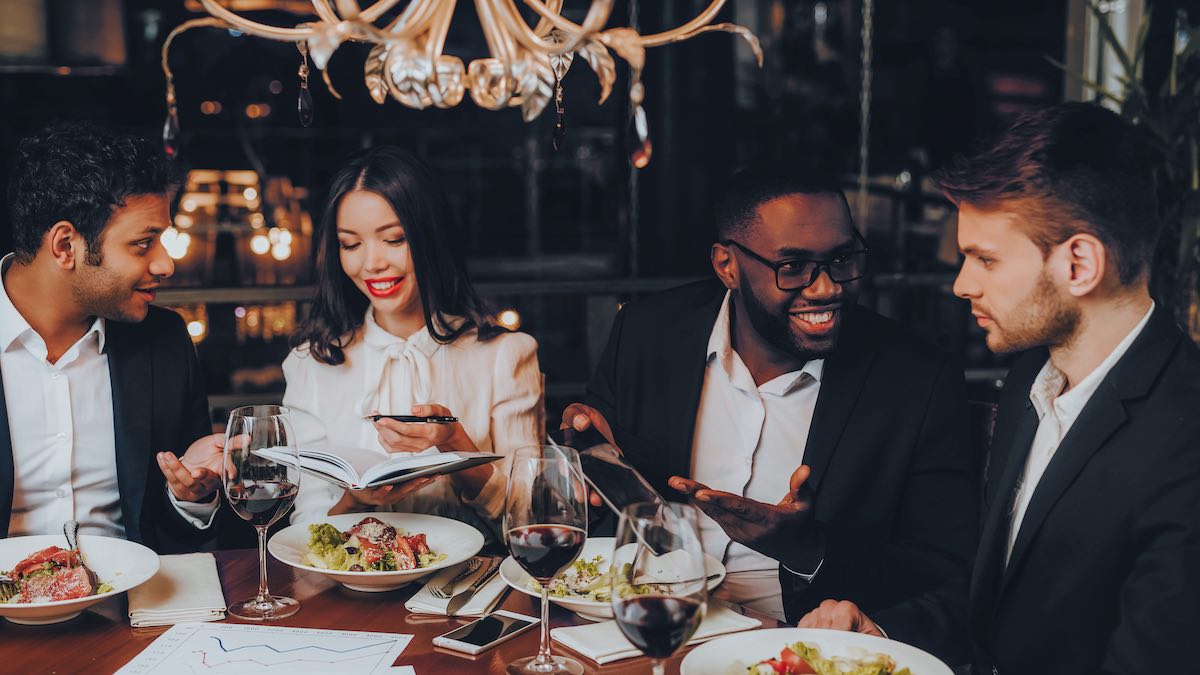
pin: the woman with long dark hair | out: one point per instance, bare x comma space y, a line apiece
397, 328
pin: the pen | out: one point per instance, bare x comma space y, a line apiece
414, 419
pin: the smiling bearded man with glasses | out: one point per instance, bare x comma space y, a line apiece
826, 446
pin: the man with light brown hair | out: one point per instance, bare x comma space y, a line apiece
1091, 539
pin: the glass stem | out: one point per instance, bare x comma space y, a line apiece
263, 594
658, 667
543, 656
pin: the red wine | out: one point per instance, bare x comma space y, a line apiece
545, 550
658, 625
261, 503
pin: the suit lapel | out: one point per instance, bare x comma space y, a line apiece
687, 361
132, 391
842, 381
1132, 377
7, 470
989, 562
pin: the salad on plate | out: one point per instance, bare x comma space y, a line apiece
800, 658
50, 575
371, 545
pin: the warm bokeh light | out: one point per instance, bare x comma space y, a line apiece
250, 194
281, 251
260, 244
176, 242
197, 330
509, 318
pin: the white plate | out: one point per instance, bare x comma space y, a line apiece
457, 540
733, 654
518, 578
118, 562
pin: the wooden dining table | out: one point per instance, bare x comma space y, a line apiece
101, 640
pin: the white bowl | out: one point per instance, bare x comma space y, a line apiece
120, 563
733, 654
457, 540
515, 576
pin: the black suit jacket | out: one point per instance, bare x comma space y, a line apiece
893, 475
1104, 576
158, 404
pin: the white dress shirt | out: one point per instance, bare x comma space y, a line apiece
494, 387
60, 420
749, 439
1057, 412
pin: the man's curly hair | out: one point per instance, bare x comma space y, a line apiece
80, 173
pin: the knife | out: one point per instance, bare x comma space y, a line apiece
461, 598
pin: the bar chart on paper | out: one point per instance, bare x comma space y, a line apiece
233, 649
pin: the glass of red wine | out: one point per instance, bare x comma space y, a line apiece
545, 525
659, 580
261, 490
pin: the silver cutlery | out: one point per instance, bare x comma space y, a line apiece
443, 592
463, 597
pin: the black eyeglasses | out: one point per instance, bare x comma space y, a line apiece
794, 274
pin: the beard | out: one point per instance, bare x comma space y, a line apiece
777, 330
104, 293
1049, 320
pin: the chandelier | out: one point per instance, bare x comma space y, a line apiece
525, 66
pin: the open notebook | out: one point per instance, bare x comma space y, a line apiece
361, 469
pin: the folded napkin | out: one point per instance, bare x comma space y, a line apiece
423, 602
603, 642
185, 589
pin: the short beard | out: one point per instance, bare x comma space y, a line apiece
102, 293
1050, 321
775, 331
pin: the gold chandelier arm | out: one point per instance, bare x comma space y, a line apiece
596, 17
348, 9
550, 14
208, 21
255, 28
381, 7
676, 34
500, 42
438, 29
325, 11
413, 20
544, 25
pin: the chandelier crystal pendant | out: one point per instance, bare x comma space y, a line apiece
524, 68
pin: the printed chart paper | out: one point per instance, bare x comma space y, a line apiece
234, 649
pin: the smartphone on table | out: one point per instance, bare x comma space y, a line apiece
486, 632
415, 419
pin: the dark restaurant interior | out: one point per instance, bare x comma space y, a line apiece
559, 237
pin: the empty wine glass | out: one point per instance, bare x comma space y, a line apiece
261, 480
545, 526
659, 584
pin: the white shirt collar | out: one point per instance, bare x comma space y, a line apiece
376, 337
1050, 381
720, 347
14, 327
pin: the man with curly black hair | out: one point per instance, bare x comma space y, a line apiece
101, 391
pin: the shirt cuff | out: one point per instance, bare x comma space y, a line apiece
806, 576
199, 514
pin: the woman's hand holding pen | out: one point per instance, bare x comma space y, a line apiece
396, 436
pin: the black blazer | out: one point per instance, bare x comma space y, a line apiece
158, 404
1104, 576
892, 471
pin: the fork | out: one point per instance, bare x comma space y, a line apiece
443, 592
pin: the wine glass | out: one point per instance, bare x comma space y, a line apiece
545, 526
261, 489
659, 583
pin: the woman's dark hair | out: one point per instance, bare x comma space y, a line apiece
79, 172
420, 202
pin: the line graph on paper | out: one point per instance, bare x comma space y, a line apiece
236, 649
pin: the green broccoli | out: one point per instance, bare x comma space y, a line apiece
325, 547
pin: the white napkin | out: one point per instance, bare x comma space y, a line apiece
185, 589
603, 642
423, 602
